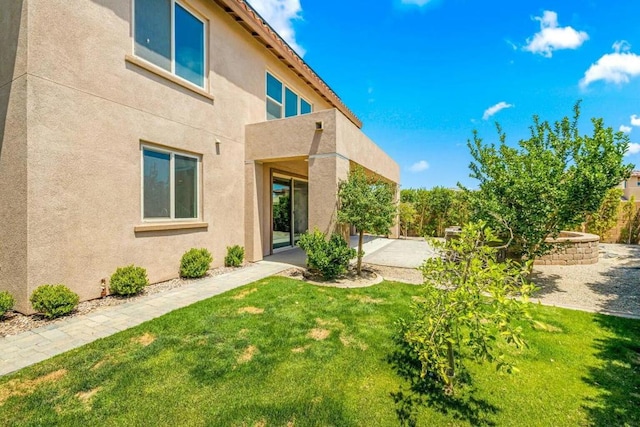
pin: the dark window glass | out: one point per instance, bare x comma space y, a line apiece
186, 187
156, 189
305, 107
189, 45
153, 31
290, 103
274, 88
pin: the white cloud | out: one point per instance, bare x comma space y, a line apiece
635, 120
495, 109
420, 166
625, 129
281, 14
618, 67
634, 148
552, 37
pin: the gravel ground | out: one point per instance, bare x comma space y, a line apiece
611, 286
14, 322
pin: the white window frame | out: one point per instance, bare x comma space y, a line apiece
172, 185
284, 98
205, 37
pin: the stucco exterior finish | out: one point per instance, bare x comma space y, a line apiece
631, 187
75, 110
13, 147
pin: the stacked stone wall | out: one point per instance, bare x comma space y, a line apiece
578, 248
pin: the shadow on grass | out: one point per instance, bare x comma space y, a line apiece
425, 392
617, 379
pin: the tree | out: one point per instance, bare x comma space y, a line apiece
468, 306
606, 217
550, 182
407, 213
440, 201
368, 205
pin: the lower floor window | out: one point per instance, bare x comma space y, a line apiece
169, 184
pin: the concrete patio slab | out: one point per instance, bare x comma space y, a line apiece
404, 253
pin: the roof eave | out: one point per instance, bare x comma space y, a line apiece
251, 21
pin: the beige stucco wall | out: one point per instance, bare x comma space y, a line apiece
13, 188
88, 111
13, 147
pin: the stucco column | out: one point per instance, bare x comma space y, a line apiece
325, 172
253, 174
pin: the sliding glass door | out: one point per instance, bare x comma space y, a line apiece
290, 210
300, 208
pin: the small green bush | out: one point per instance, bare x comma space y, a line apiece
330, 257
128, 280
6, 302
54, 300
195, 263
235, 256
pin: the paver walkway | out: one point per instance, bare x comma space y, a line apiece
27, 348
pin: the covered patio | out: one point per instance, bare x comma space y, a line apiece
293, 167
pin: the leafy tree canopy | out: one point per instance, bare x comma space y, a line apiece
549, 182
367, 204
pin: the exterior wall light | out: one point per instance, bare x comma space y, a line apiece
218, 142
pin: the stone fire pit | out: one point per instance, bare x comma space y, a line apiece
571, 248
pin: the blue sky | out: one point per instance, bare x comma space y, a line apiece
422, 74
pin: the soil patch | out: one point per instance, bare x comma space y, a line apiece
251, 310
365, 299
26, 387
248, 354
300, 349
145, 339
244, 294
319, 334
348, 280
349, 341
86, 396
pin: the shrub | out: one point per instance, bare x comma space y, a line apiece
6, 302
128, 280
195, 263
330, 257
235, 256
54, 300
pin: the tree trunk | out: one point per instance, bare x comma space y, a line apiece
451, 372
360, 238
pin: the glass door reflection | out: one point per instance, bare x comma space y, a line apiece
281, 202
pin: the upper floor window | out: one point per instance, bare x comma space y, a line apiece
282, 101
168, 35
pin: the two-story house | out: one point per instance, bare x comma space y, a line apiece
631, 186
133, 130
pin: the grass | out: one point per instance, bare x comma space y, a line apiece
280, 352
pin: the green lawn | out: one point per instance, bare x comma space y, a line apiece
319, 356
